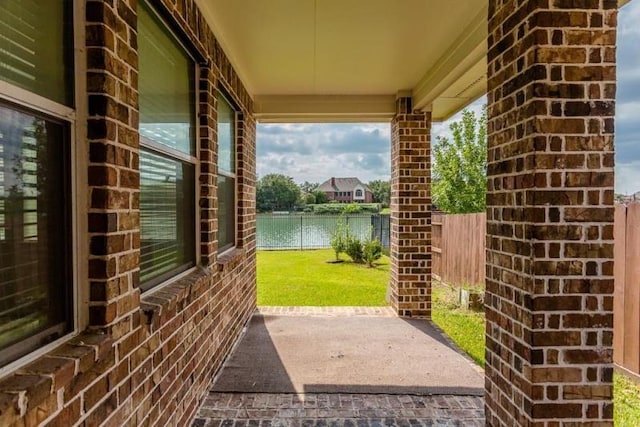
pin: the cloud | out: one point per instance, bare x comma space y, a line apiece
315, 152
628, 131
628, 177
628, 101
628, 60
628, 19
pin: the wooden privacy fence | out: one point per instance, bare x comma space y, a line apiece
626, 301
458, 255
458, 247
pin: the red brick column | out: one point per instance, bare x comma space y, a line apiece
410, 285
114, 179
551, 96
208, 107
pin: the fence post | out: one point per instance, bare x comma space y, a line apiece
301, 236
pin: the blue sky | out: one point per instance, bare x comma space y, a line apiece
315, 152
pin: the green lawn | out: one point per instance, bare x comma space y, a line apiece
305, 278
466, 328
626, 401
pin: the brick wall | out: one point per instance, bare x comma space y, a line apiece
551, 93
410, 283
145, 359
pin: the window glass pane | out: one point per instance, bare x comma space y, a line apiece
34, 280
226, 136
226, 212
167, 217
166, 86
36, 47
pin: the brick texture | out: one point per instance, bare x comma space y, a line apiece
551, 95
112, 69
410, 283
146, 359
339, 409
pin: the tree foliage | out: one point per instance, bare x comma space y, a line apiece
460, 166
316, 197
339, 238
309, 187
343, 208
371, 250
353, 248
277, 192
320, 197
381, 191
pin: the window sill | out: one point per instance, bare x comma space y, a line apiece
161, 305
229, 259
36, 382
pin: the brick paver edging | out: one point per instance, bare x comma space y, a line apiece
320, 409
326, 311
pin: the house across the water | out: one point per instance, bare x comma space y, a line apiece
346, 190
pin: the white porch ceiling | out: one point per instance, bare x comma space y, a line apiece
346, 60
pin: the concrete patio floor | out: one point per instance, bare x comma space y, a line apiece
343, 366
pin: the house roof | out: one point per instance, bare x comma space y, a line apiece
342, 184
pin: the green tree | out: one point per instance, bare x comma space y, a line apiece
316, 197
371, 249
309, 199
460, 166
381, 192
277, 192
320, 197
309, 187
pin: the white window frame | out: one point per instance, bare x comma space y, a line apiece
76, 119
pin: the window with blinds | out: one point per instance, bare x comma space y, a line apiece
36, 288
36, 45
167, 153
34, 233
226, 175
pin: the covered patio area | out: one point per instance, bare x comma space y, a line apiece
131, 124
343, 366
548, 69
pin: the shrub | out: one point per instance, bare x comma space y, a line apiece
352, 208
334, 208
328, 209
354, 249
371, 251
339, 238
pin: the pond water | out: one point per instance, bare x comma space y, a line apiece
312, 231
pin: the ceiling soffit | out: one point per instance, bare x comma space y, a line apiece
345, 60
